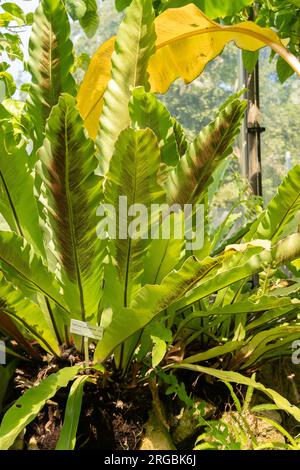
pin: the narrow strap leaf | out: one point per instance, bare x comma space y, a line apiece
67, 439
26, 408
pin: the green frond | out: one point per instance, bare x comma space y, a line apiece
281, 211
133, 173
25, 269
18, 204
191, 176
17, 310
146, 111
71, 196
50, 62
90, 20
151, 300
133, 48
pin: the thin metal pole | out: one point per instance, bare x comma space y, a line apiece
253, 129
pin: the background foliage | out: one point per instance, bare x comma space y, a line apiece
192, 105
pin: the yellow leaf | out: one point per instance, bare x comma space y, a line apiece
186, 41
90, 96
296, 264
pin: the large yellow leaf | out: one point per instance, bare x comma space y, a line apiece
186, 41
90, 96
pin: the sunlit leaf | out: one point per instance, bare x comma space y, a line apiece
186, 41
134, 46
50, 62
17, 311
67, 438
90, 20
26, 408
76, 8
20, 264
281, 210
191, 176
146, 111
212, 8
150, 301
234, 377
18, 204
70, 200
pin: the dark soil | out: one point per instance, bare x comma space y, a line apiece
112, 416
114, 411
106, 422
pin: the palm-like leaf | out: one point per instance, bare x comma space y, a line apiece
72, 194
50, 62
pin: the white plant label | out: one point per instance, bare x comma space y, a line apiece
2, 353
82, 328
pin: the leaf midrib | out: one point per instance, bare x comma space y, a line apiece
9, 313
229, 131
71, 217
137, 51
31, 282
287, 212
129, 245
15, 215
